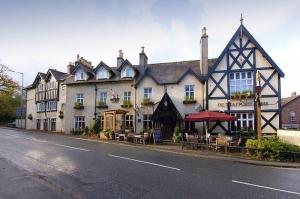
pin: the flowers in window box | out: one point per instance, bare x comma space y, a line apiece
235, 95
247, 94
61, 114
126, 104
189, 100
101, 104
30, 117
147, 102
78, 105
114, 98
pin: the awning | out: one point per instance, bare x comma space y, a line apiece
209, 116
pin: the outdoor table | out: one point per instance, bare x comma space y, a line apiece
122, 136
138, 138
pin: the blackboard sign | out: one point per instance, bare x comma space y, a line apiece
157, 136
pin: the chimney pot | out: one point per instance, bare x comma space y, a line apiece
204, 52
120, 58
293, 94
204, 31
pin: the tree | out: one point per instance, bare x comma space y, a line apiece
7, 84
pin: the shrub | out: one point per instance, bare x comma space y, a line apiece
270, 149
96, 126
176, 133
107, 133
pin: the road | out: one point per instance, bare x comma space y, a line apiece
39, 165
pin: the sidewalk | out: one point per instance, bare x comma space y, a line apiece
177, 149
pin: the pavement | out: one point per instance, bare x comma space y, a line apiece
38, 165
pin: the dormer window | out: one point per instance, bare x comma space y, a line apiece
127, 71
80, 75
102, 74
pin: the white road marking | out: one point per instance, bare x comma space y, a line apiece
144, 162
70, 147
264, 187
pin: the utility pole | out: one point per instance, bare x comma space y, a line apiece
258, 108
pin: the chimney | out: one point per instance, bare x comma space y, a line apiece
293, 94
83, 61
143, 61
204, 52
120, 58
70, 67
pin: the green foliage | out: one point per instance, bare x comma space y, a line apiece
107, 133
78, 105
96, 126
176, 136
77, 131
270, 149
7, 84
8, 105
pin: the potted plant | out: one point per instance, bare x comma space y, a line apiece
101, 104
189, 100
30, 117
146, 102
61, 114
176, 136
107, 133
114, 98
78, 105
126, 104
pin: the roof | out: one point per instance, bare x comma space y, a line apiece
287, 100
174, 72
58, 75
253, 40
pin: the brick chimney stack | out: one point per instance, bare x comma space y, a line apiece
204, 52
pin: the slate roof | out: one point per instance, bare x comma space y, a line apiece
58, 75
287, 100
174, 72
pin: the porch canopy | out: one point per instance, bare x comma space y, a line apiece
209, 116
112, 114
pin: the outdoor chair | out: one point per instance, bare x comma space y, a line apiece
146, 138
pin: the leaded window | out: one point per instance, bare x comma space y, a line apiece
241, 82
245, 122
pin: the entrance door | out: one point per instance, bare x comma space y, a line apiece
167, 127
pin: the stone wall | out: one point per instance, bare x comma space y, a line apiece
292, 137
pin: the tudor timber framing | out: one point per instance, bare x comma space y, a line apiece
232, 53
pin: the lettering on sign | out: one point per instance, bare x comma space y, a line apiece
242, 103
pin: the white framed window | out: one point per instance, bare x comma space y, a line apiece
40, 107
241, 82
292, 117
244, 121
80, 75
38, 124
53, 124
103, 97
79, 122
102, 73
127, 71
51, 106
79, 98
128, 121
148, 92
147, 122
127, 95
189, 91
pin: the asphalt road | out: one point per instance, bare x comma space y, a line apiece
38, 165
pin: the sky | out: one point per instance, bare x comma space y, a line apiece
37, 35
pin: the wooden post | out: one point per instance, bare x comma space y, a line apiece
104, 120
114, 121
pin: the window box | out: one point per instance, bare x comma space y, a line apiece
101, 104
114, 99
61, 114
126, 104
78, 105
189, 100
147, 102
242, 95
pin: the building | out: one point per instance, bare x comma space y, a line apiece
45, 100
159, 95
290, 111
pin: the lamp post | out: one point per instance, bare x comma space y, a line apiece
22, 87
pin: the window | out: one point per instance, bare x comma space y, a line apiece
101, 119
127, 71
103, 97
79, 75
79, 122
45, 124
53, 124
127, 95
79, 98
147, 122
38, 124
148, 93
244, 121
190, 91
240, 82
128, 121
292, 117
189, 126
51, 105
40, 107
102, 74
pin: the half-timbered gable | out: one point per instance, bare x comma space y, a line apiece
230, 85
